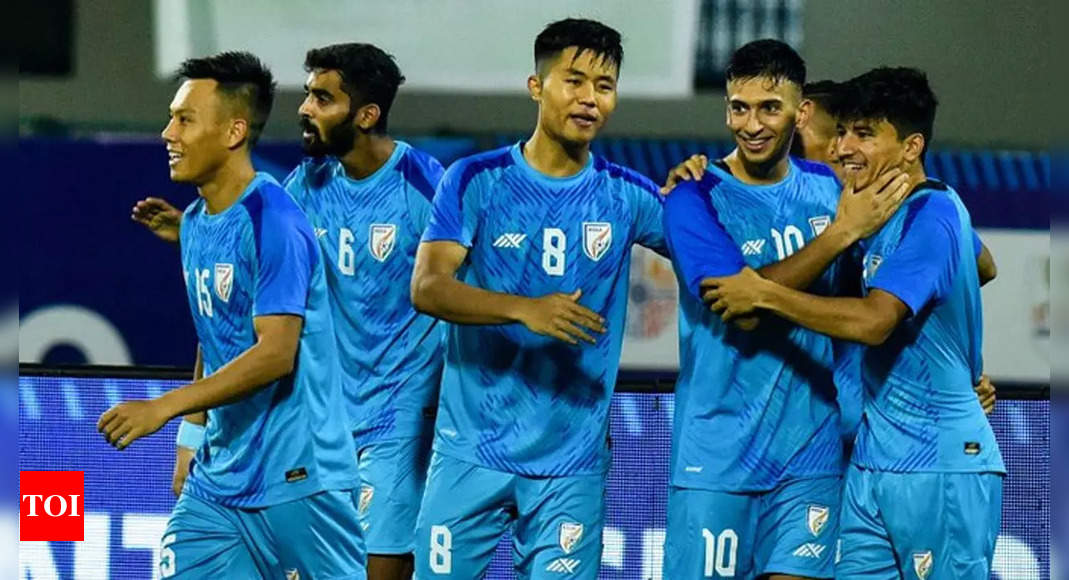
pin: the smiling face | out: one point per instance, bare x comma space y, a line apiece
865, 148
200, 133
576, 95
762, 113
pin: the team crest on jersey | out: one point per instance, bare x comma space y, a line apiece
382, 240
293, 574
819, 223
871, 265
597, 239
224, 281
922, 564
366, 493
570, 534
815, 518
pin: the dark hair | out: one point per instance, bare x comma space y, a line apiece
583, 34
241, 77
899, 95
368, 75
822, 93
766, 58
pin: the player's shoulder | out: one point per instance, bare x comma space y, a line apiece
816, 170
420, 170
463, 171
311, 172
269, 202
933, 202
627, 177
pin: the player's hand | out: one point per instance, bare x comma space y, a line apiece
160, 217
985, 391
691, 169
733, 296
182, 458
863, 212
127, 422
560, 316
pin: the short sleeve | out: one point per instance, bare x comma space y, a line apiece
978, 246
698, 243
452, 215
421, 191
286, 257
922, 267
649, 219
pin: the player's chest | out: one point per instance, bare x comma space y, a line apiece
363, 236
555, 239
219, 274
767, 231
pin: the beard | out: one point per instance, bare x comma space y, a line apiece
337, 142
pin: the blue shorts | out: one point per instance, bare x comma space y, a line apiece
392, 474
556, 522
791, 529
317, 536
919, 525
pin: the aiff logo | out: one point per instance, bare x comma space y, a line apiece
51, 506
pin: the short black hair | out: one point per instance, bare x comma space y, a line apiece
768, 57
368, 74
602, 40
823, 93
899, 95
242, 77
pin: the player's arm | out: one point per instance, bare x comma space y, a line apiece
869, 320
918, 271
270, 358
985, 262
859, 215
437, 292
159, 217
190, 434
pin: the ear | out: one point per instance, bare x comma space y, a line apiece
804, 113
914, 146
534, 87
368, 116
238, 133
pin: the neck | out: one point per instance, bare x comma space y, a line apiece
772, 171
916, 175
552, 157
226, 185
370, 152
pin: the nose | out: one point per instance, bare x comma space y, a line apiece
585, 94
168, 131
305, 110
844, 146
753, 124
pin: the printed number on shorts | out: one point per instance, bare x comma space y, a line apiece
720, 553
441, 550
168, 565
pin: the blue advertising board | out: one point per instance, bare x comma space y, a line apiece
128, 494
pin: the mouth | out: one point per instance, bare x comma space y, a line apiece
852, 166
173, 157
583, 120
755, 144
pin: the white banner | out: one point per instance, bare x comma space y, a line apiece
476, 46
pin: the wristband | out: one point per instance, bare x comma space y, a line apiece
190, 435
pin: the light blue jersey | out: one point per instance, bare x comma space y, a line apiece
753, 409
921, 413
512, 400
289, 439
368, 231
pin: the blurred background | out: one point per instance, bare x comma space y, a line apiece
96, 289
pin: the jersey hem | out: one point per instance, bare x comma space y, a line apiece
480, 463
674, 482
298, 493
988, 469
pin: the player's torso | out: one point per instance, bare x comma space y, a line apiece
921, 413
754, 408
368, 236
219, 268
519, 401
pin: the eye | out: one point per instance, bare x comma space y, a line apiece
606, 88
772, 107
573, 81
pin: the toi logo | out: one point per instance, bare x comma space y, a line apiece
52, 506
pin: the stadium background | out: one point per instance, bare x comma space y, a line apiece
98, 290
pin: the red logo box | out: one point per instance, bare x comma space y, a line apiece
52, 506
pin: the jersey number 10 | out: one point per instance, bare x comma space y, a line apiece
788, 242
